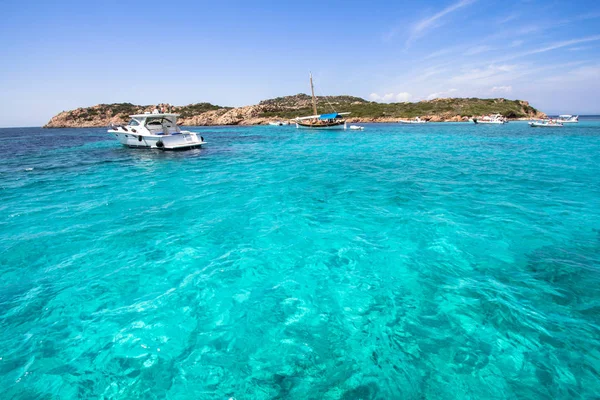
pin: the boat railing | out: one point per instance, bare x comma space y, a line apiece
115, 127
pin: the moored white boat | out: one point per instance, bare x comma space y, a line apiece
155, 131
329, 121
416, 120
495, 119
357, 128
547, 123
279, 123
568, 119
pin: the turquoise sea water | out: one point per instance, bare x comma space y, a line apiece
446, 261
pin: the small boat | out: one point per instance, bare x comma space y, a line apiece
490, 119
547, 123
357, 128
333, 120
416, 120
279, 123
155, 131
568, 119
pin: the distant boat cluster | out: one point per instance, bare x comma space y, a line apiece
416, 120
555, 123
494, 119
545, 123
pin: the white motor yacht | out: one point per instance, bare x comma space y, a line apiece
568, 119
416, 120
490, 119
548, 123
155, 131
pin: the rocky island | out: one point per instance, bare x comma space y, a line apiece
284, 108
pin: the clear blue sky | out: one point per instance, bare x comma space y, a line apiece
61, 55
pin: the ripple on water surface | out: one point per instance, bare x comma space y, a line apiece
439, 261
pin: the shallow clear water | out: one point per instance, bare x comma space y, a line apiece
441, 261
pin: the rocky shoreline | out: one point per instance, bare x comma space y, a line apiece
285, 108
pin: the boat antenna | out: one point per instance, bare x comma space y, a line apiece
312, 91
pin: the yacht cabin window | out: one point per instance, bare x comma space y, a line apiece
133, 122
158, 121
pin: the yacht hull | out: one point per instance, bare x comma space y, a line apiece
489, 122
544, 125
336, 126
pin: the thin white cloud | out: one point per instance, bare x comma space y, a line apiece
478, 50
528, 29
501, 89
565, 43
540, 25
588, 74
402, 97
516, 43
390, 34
441, 95
429, 72
550, 47
374, 97
480, 45
487, 73
422, 26
499, 78
582, 17
580, 48
508, 18
439, 53
525, 71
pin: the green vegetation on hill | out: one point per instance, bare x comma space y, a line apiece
118, 108
88, 114
360, 108
128, 109
195, 109
301, 105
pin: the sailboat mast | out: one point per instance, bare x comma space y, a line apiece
314, 100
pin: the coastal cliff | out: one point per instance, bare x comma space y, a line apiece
283, 108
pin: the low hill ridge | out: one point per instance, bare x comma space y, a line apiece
201, 114
302, 100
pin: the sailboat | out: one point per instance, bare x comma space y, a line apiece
320, 121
